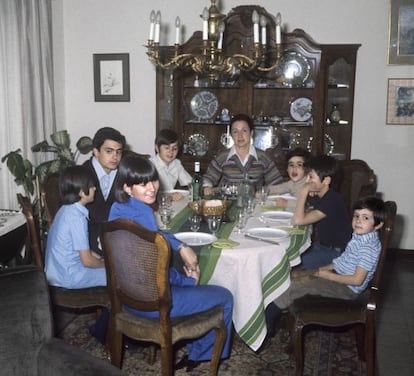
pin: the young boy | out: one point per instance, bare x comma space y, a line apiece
321, 205
296, 160
170, 169
70, 262
349, 274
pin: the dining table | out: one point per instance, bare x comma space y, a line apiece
12, 234
254, 270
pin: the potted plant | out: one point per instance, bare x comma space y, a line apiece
25, 173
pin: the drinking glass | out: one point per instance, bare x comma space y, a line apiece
240, 221
263, 193
214, 222
165, 201
165, 216
195, 223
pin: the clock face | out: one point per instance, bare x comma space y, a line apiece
204, 105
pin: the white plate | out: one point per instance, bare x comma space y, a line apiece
286, 196
301, 109
277, 216
267, 233
195, 238
184, 192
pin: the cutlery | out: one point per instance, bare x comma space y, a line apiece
261, 239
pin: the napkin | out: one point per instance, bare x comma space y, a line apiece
293, 230
225, 243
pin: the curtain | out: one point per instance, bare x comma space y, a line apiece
27, 114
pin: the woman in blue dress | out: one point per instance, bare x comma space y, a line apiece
136, 188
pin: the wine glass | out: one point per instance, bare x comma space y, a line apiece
195, 223
240, 221
165, 216
214, 222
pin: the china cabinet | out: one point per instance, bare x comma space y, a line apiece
306, 101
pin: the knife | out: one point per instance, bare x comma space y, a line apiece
261, 239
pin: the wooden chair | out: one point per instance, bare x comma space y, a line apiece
360, 314
51, 197
355, 180
66, 298
137, 262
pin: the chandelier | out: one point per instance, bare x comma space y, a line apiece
212, 60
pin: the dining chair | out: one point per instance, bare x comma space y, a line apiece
360, 314
137, 263
355, 181
75, 299
51, 197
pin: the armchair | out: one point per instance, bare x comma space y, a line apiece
27, 345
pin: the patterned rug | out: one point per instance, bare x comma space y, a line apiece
326, 354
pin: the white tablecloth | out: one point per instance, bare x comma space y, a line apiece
10, 220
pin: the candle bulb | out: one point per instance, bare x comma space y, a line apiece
278, 28
221, 32
263, 23
157, 27
152, 24
255, 19
177, 30
205, 23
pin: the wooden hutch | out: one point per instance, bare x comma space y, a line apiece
306, 101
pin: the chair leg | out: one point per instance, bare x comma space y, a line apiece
152, 354
359, 331
370, 348
296, 339
220, 339
166, 360
114, 343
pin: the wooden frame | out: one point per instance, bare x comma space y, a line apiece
111, 77
401, 32
400, 104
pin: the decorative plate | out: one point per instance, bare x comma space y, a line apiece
195, 238
329, 144
197, 145
293, 69
301, 109
204, 105
267, 233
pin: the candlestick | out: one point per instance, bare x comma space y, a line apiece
205, 23
177, 30
152, 23
255, 19
157, 27
221, 32
278, 29
263, 23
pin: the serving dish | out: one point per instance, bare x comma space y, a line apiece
204, 105
183, 192
197, 145
293, 69
194, 239
301, 109
267, 233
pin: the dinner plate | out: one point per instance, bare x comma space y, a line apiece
195, 238
204, 105
267, 233
301, 109
286, 196
197, 145
184, 192
277, 216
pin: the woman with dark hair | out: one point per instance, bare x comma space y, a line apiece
136, 188
242, 161
70, 262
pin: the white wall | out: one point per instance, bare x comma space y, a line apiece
84, 27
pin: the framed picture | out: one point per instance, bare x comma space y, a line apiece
400, 106
111, 77
401, 32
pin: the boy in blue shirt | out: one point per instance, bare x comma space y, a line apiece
70, 262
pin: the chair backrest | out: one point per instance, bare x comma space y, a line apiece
355, 180
33, 230
385, 236
51, 196
137, 262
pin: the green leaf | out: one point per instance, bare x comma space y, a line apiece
61, 138
84, 145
